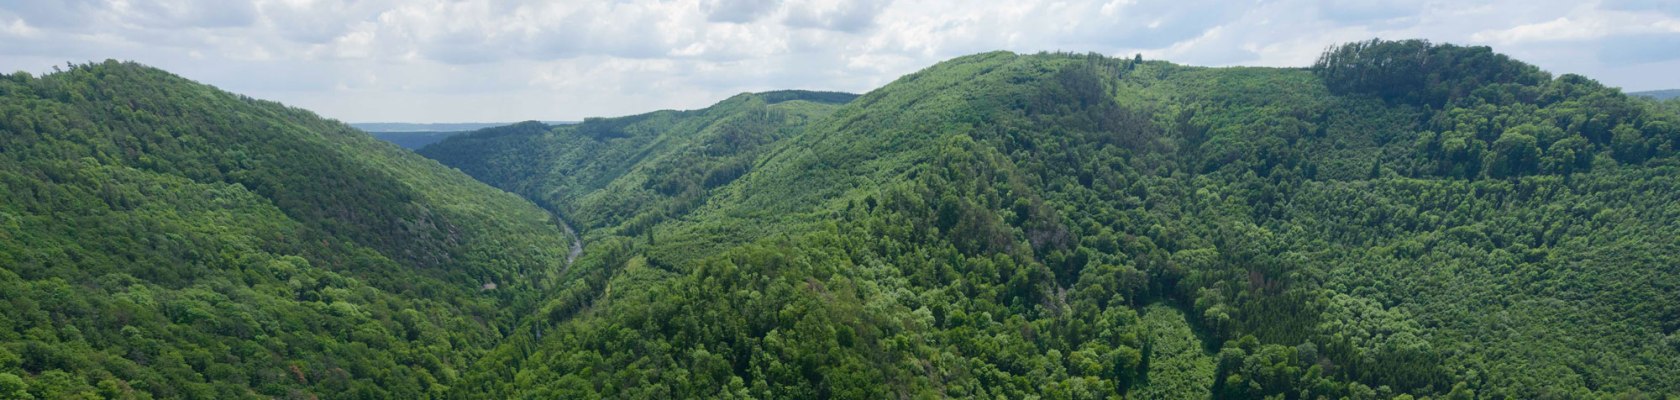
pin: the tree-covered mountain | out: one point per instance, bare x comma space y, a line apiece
632, 172
413, 136
161, 238
1402, 219
1399, 220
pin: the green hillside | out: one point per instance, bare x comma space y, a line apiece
1401, 219
629, 173
164, 239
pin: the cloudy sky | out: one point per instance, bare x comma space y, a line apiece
508, 60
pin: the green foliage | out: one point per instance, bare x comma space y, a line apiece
1513, 154
1419, 72
1178, 367
163, 239
1403, 220
13, 388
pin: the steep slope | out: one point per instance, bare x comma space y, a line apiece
166, 239
627, 173
1402, 218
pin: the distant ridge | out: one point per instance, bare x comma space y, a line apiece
413, 136
414, 140
376, 127
778, 96
1658, 94
770, 97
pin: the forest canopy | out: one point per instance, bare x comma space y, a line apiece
1402, 219
163, 239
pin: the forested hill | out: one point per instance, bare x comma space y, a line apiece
161, 238
1400, 219
629, 173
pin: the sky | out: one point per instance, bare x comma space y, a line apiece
509, 60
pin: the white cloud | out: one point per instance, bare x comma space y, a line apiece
850, 16
482, 60
1587, 25
19, 29
736, 11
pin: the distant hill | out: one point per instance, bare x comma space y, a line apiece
778, 96
372, 127
1658, 94
414, 140
413, 136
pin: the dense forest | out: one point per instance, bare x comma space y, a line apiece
1401, 219
163, 239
